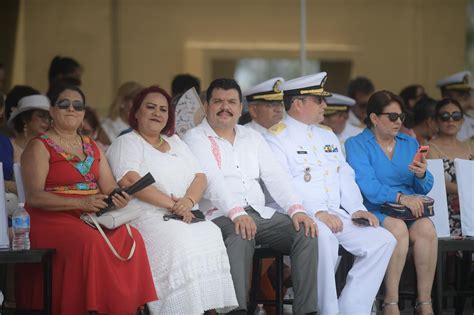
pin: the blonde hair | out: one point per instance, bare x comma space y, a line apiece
126, 92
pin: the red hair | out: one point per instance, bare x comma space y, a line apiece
137, 102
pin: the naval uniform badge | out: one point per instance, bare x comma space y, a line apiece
307, 174
328, 148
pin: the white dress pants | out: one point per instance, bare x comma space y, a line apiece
372, 248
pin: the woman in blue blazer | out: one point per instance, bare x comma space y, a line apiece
382, 159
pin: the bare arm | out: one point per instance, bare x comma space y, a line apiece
106, 181
35, 168
197, 188
149, 194
192, 196
10, 186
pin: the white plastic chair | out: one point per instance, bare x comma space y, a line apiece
4, 241
19, 182
465, 180
438, 193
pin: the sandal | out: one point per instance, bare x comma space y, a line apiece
419, 304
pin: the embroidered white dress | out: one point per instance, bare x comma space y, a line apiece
189, 262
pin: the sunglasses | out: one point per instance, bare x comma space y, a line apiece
393, 117
65, 103
445, 116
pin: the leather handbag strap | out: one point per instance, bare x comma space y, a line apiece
112, 248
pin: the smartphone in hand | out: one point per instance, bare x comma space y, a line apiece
420, 153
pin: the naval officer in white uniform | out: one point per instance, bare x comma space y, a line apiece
312, 155
265, 104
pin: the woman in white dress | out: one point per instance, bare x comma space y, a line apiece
189, 262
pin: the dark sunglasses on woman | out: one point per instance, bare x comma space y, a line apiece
394, 116
65, 103
445, 116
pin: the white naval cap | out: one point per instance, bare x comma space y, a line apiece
312, 84
266, 91
457, 81
32, 102
338, 103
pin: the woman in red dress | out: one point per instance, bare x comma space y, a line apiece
66, 174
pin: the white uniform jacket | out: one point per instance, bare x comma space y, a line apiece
313, 157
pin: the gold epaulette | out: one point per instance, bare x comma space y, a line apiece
324, 127
278, 128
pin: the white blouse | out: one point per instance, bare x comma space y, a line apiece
173, 170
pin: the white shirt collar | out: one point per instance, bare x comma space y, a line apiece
296, 124
209, 131
257, 127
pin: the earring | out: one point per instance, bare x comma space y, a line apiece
25, 131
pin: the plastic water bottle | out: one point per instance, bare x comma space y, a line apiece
260, 310
21, 228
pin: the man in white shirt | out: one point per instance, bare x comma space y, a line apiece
459, 87
336, 115
235, 159
311, 154
265, 103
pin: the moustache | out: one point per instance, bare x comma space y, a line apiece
225, 111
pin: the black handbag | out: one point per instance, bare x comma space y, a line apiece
402, 212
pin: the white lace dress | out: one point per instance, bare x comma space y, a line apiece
189, 262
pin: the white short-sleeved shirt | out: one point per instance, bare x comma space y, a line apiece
173, 171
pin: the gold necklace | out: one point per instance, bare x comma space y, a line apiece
156, 145
388, 148
68, 144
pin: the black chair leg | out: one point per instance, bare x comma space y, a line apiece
279, 286
256, 271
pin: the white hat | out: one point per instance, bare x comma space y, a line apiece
32, 102
457, 81
312, 84
265, 91
338, 103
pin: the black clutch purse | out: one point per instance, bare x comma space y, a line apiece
402, 212
143, 182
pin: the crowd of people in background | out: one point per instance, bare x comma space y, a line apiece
304, 172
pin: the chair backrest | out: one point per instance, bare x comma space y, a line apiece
438, 193
19, 182
4, 241
465, 180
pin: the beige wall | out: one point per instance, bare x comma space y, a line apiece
394, 42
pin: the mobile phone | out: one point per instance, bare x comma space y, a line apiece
421, 152
198, 216
361, 221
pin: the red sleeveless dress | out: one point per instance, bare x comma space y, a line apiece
86, 274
